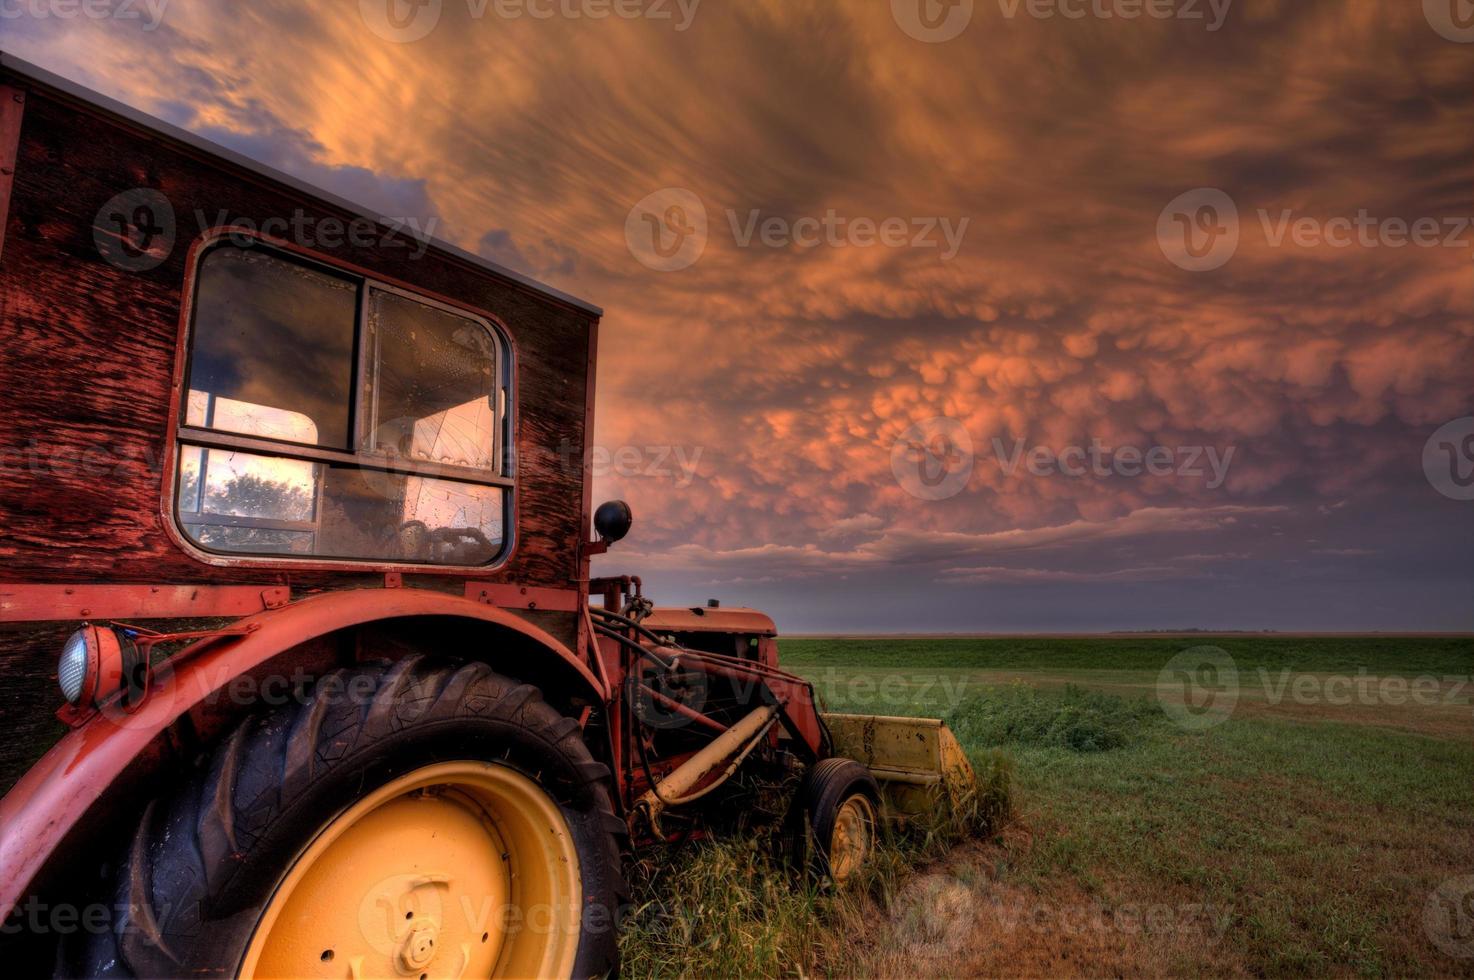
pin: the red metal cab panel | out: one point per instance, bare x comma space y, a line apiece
92, 366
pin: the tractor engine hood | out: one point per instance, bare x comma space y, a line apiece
709, 619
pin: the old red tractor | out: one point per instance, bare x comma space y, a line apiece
301, 672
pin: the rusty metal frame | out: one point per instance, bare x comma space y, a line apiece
61, 603
529, 597
12, 110
58, 603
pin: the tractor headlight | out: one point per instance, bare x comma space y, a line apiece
92, 668
78, 659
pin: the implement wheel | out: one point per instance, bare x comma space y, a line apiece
413, 820
842, 801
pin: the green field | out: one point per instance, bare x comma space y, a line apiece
1300, 827
1302, 833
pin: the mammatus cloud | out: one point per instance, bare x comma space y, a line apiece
1060, 322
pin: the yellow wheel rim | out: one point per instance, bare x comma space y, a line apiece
852, 839
462, 869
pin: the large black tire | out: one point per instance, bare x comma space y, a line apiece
204, 862
826, 787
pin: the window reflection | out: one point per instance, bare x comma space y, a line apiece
210, 411
391, 422
432, 390
273, 334
266, 505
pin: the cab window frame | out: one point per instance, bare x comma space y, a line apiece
184, 436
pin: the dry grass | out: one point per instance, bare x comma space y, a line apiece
728, 907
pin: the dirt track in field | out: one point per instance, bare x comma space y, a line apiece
955, 918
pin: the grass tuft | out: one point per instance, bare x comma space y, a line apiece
725, 907
721, 907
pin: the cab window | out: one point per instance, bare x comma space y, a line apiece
327, 416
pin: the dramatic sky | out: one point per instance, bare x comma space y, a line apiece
1036, 169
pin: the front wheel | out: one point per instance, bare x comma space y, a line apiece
408, 820
841, 799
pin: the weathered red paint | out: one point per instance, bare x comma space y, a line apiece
50, 603
12, 109
55, 603
703, 619
57, 791
526, 597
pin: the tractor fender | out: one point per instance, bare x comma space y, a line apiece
58, 791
